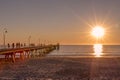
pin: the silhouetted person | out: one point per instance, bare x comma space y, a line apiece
16, 45
24, 45
8, 45
13, 45
21, 45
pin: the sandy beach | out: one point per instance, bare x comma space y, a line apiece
62, 68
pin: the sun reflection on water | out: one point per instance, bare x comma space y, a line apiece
98, 48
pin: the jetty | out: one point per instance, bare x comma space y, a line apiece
27, 52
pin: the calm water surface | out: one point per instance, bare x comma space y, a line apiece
87, 50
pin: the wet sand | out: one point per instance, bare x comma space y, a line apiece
62, 68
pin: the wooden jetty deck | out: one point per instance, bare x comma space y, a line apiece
26, 51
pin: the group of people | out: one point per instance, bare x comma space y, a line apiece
16, 45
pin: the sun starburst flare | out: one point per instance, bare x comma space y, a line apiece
98, 31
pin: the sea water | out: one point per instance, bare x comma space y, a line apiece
86, 50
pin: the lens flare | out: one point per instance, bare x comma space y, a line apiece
98, 32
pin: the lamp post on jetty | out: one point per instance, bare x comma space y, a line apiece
39, 42
4, 37
29, 38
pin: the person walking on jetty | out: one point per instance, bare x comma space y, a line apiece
21, 45
24, 45
16, 45
8, 45
13, 45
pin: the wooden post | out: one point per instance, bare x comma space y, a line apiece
6, 56
28, 54
21, 55
13, 57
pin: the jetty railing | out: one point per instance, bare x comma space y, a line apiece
26, 52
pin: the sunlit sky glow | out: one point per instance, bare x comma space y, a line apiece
64, 21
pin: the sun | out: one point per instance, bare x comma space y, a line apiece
98, 31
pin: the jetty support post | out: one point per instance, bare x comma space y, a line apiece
13, 57
22, 55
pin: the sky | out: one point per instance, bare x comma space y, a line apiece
63, 21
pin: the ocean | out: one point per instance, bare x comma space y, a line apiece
96, 50
87, 50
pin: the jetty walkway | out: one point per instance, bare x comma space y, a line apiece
26, 52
